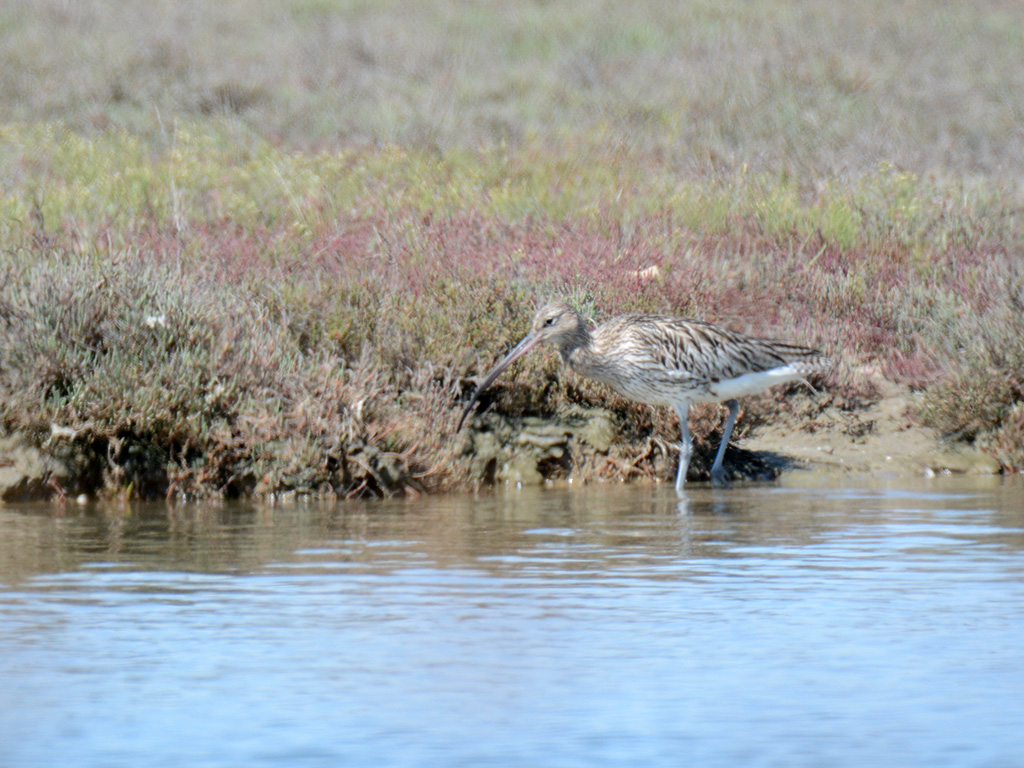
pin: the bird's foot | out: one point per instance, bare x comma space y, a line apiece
718, 479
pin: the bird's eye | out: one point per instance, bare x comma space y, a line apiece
549, 321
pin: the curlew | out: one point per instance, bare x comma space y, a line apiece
664, 360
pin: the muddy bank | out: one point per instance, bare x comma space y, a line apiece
28, 473
587, 445
882, 437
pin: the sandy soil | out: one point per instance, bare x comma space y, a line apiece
881, 437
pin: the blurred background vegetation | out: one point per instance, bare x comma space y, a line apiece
785, 86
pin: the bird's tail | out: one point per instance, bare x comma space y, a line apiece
814, 362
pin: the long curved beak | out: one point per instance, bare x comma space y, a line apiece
520, 349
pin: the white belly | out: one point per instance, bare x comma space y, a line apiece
748, 384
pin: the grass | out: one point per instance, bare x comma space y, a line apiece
263, 249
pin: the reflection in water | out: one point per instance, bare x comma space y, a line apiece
842, 624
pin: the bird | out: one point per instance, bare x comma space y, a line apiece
665, 360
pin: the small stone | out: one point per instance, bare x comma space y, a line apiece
540, 439
599, 431
522, 470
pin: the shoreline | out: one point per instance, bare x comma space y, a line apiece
584, 445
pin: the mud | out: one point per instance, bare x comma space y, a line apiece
882, 437
586, 445
877, 437
28, 473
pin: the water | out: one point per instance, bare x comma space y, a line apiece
844, 624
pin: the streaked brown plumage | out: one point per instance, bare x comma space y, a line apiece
664, 360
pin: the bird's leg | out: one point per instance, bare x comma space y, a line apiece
717, 473
685, 446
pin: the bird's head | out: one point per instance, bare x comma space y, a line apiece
559, 324
555, 323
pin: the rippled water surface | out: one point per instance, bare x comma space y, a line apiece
843, 624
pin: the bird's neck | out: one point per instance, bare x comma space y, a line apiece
576, 347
